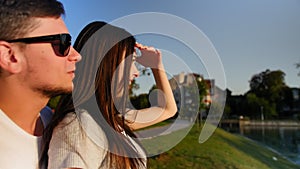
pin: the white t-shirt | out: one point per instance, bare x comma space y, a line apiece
72, 146
19, 149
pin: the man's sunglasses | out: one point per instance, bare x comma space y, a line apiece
61, 43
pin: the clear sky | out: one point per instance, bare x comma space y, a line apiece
249, 36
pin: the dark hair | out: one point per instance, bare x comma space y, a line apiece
95, 76
17, 16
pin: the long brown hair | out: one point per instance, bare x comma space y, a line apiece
102, 47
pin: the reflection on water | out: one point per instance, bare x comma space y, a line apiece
285, 140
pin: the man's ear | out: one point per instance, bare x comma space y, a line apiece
8, 60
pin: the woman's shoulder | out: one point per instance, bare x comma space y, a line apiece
77, 136
79, 117
91, 127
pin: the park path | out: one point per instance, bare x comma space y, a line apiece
163, 130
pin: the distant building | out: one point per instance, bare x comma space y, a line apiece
186, 92
296, 100
291, 107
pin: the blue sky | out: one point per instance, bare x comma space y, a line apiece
249, 36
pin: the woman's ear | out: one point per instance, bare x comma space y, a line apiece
8, 60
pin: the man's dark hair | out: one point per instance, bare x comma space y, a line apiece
17, 16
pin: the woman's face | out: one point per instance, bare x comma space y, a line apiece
133, 73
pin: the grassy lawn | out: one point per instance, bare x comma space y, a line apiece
221, 151
163, 123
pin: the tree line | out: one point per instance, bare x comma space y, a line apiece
268, 97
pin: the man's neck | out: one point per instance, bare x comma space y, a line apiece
28, 118
24, 111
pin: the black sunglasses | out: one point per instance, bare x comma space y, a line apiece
61, 43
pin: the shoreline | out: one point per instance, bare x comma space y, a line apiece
268, 147
257, 123
277, 123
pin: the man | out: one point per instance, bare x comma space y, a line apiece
37, 62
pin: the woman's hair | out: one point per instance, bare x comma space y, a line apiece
102, 48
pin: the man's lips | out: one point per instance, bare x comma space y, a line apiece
72, 73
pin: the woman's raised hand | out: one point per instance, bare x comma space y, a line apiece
150, 56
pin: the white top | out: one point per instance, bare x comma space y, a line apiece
79, 142
19, 149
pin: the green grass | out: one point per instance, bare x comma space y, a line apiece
221, 151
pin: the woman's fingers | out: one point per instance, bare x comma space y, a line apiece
139, 46
148, 48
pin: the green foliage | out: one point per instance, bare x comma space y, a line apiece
256, 106
227, 111
141, 101
237, 105
268, 94
268, 85
53, 102
133, 86
267, 90
202, 89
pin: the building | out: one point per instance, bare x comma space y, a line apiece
186, 92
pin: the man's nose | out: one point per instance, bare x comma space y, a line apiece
74, 55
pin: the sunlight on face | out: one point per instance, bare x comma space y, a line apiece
134, 72
119, 74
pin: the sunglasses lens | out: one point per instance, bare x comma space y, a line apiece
62, 47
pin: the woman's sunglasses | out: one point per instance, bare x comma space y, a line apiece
61, 43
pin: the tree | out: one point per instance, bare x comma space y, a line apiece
141, 101
267, 90
203, 91
268, 85
257, 107
133, 86
235, 105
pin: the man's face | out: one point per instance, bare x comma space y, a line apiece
44, 71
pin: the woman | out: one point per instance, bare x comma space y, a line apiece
92, 128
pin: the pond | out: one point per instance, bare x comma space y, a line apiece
284, 140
